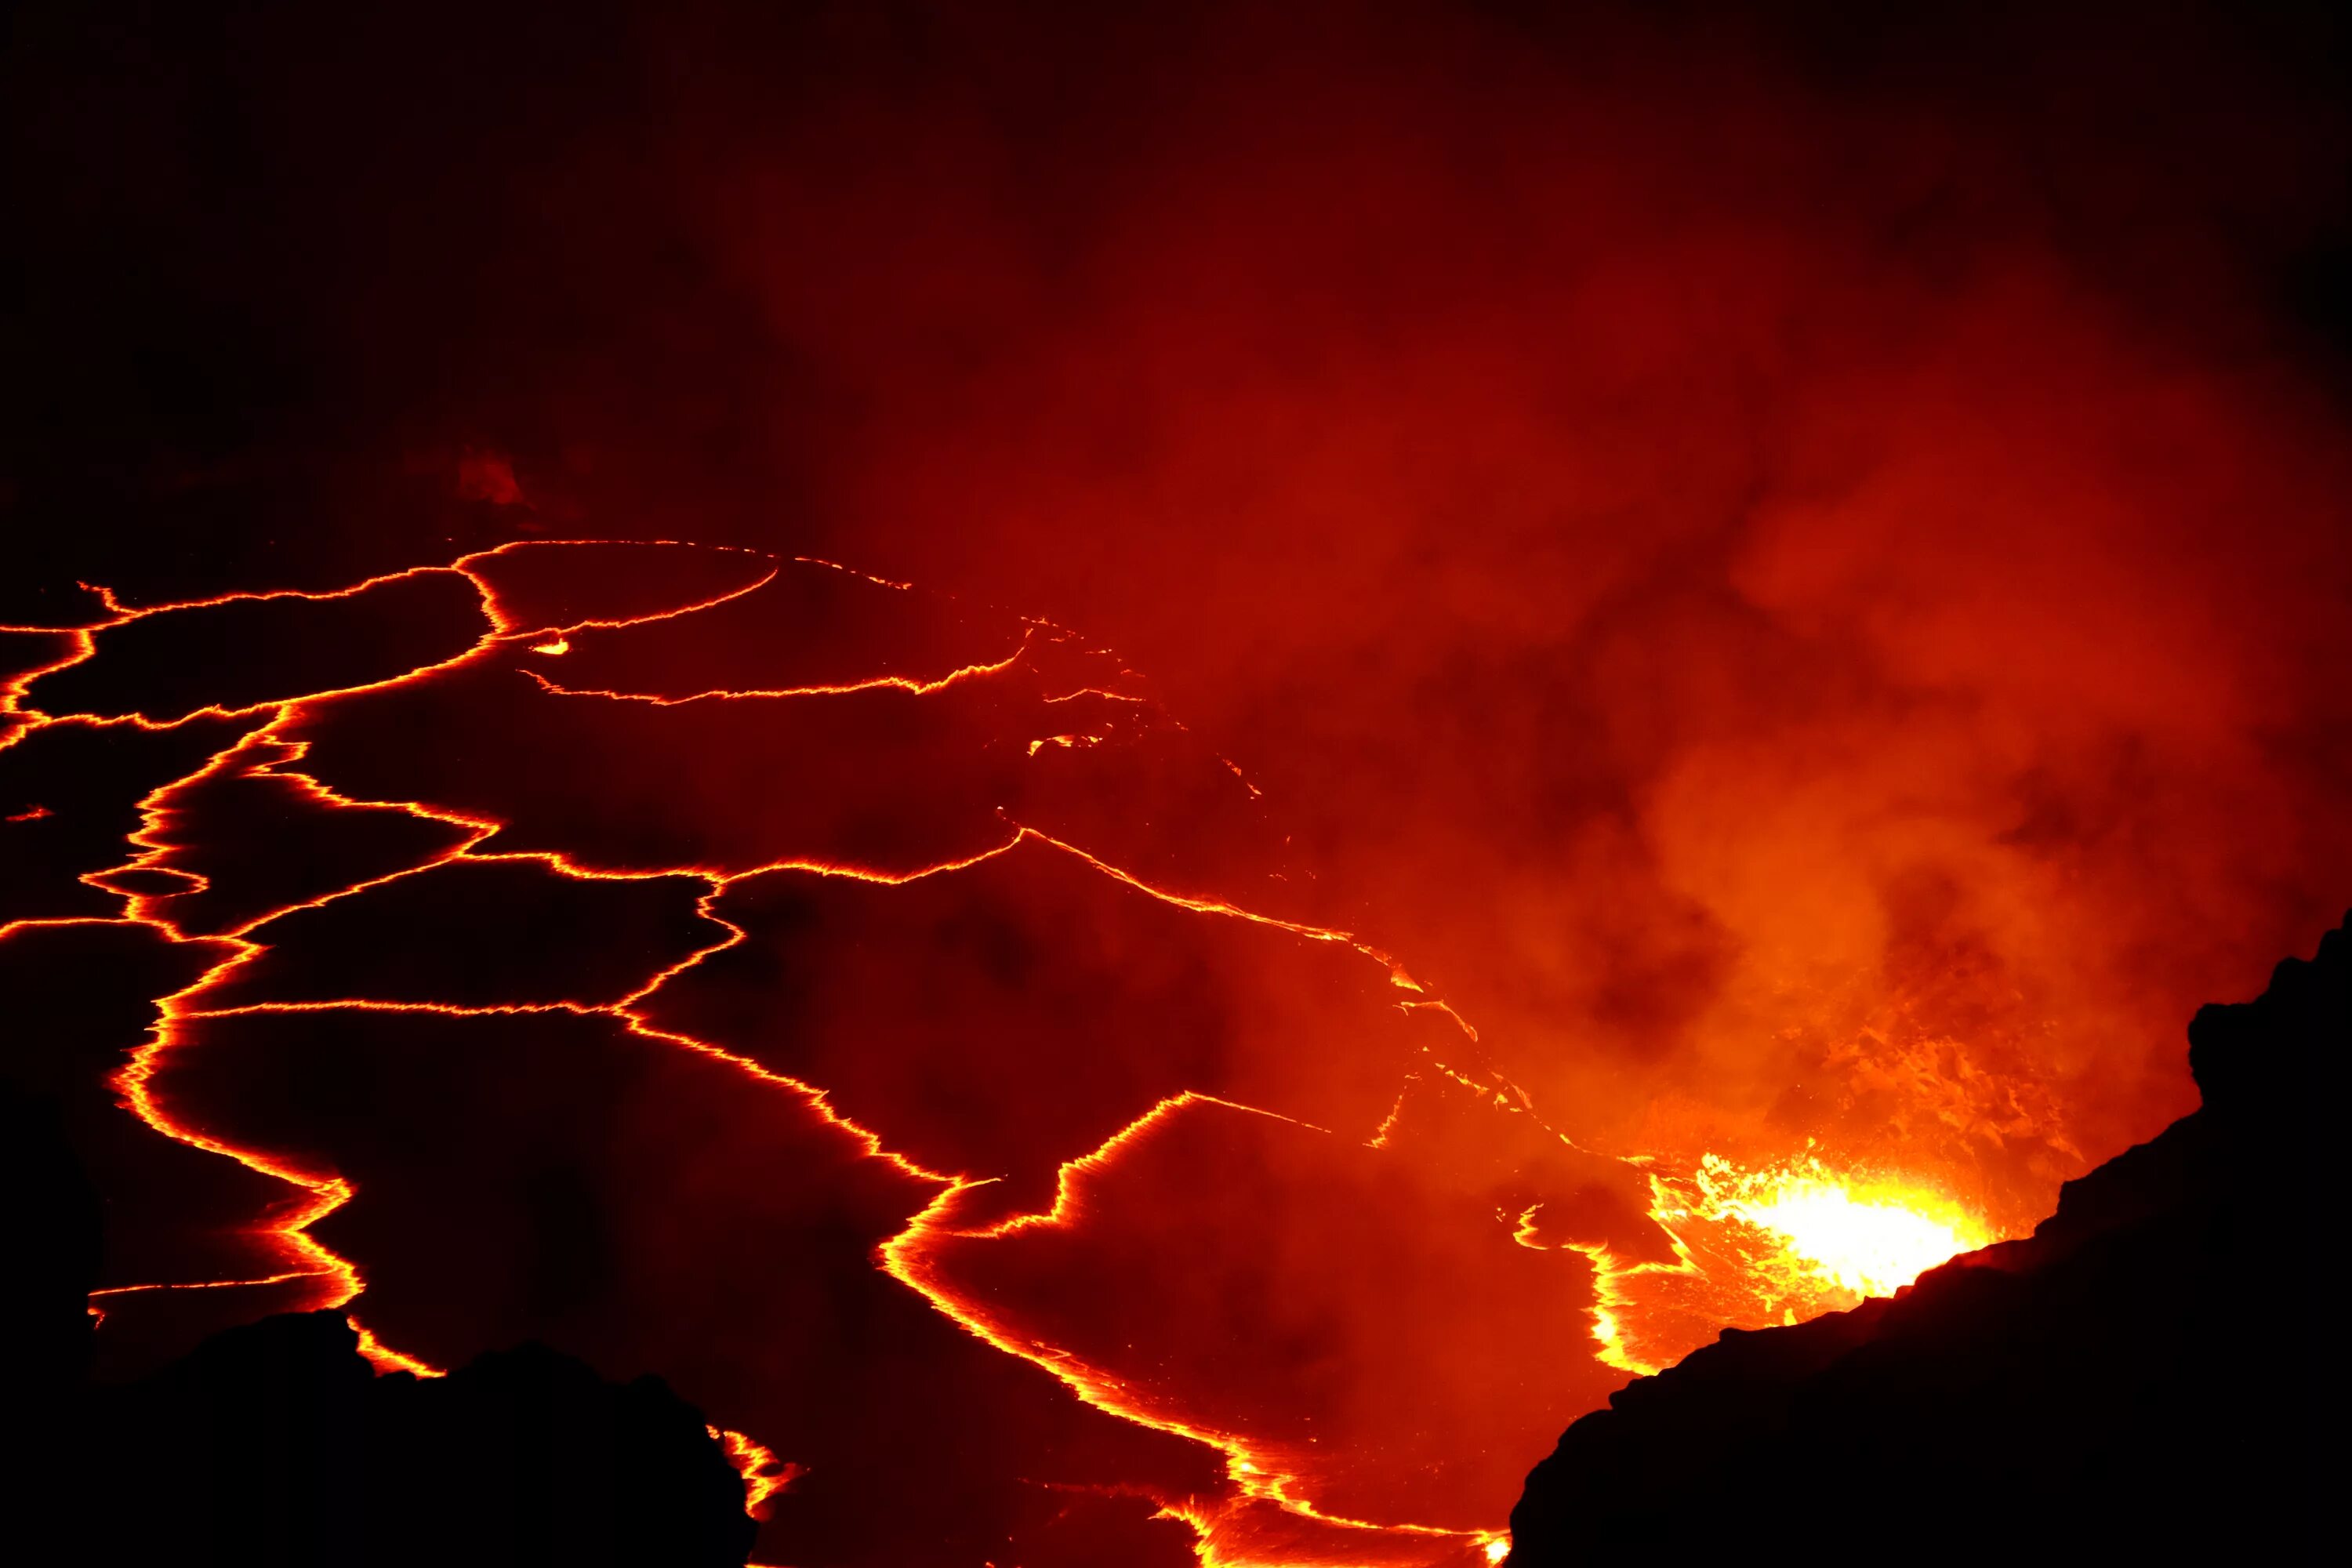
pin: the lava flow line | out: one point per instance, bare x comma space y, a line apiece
325, 1193
1256, 1476
501, 626
506, 626
134, 1081
14, 692
267, 750
840, 689
86, 647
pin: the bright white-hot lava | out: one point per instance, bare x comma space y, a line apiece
1866, 1237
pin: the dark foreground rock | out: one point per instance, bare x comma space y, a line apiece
277, 1446
2143, 1373
278, 1443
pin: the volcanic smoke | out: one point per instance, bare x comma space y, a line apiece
1147, 782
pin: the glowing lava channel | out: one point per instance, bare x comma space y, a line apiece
265, 750
1855, 1239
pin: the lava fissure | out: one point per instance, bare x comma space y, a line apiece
270, 752
840, 689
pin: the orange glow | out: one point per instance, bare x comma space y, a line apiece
508, 624
1403, 708
1743, 1244
1258, 1477
1779, 1243
202, 1284
763, 1474
384, 1358
1859, 1236
843, 689
1066, 742
341, 1279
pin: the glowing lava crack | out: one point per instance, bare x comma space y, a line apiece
1232, 1177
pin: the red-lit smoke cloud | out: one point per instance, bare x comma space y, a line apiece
1797, 571
1780, 558
1765, 575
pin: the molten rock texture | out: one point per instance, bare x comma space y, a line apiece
2128, 1375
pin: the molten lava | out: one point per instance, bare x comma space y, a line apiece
802, 924
1780, 596
1859, 1236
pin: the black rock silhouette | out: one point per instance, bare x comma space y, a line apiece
2137, 1375
277, 1443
